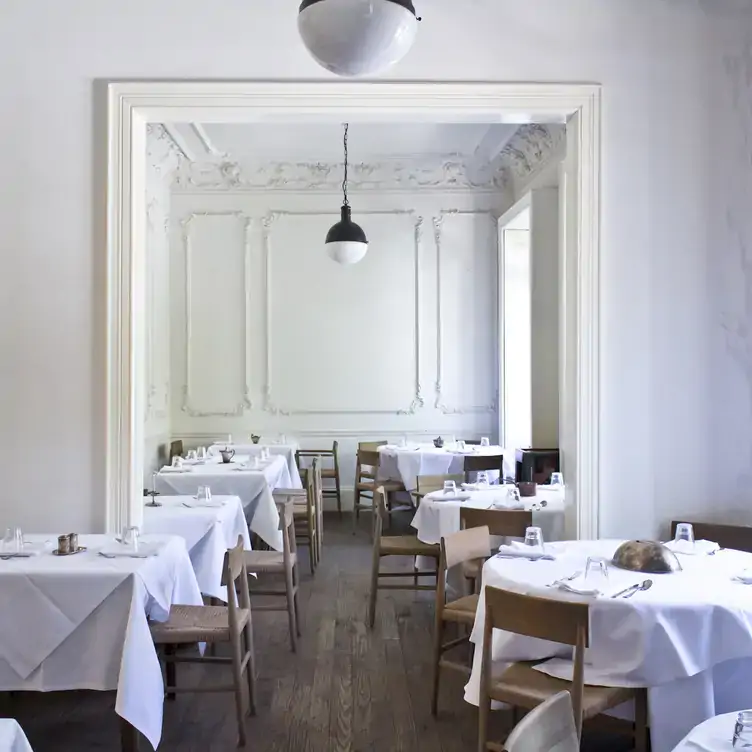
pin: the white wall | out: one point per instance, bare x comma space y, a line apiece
271, 336
676, 220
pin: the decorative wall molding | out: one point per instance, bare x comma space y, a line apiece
447, 173
245, 403
493, 406
269, 404
530, 147
162, 153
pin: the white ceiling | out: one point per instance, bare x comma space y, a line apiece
322, 142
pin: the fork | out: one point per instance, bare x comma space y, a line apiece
565, 579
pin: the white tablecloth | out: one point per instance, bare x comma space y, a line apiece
688, 638
714, 735
12, 737
254, 450
208, 533
254, 487
405, 464
80, 622
437, 519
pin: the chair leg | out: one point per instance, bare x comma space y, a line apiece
291, 611
438, 636
311, 550
374, 589
250, 668
170, 671
128, 737
339, 493
641, 721
237, 677
483, 713
296, 582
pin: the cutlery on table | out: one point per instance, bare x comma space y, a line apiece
713, 553
632, 589
565, 579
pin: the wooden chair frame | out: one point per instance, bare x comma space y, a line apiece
371, 459
306, 516
326, 473
429, 483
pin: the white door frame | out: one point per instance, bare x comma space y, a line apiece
132, 105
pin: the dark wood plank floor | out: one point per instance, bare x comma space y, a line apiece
348, 689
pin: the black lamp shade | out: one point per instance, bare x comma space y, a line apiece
346, 231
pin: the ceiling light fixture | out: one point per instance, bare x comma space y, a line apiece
346, 242
357, 37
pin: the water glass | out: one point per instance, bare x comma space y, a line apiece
596, 573
403, 442
450, 487
557, 479
461, 445
282, 439
481, 478
256, 462
743, 731
130, 537
177, 461
229, 438
265, 453
513, 494
485, 441
204, 493
13, 541
191, 455
201, 453
534, 538
685, 535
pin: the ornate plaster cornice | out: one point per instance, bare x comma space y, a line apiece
440, 173
162, 153
530, 147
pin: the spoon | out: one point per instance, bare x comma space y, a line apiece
644, 586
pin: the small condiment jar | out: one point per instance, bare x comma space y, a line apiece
73, 542
63, 544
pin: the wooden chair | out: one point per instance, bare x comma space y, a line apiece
430, 483
281, 564
305, 517
318, 497
477, 462
465, 545
471, 442
549, 726
213, 624
327, 473
562, 621
366, 472
176, 449
509, 523
398, 545
738, 537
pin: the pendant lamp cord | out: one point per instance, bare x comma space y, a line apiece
344, 182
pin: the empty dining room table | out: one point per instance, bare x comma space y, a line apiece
12, 737
285, 449
406, 463
209, 528
686, 635
254, 485
81, 621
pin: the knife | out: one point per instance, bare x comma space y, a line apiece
630, 589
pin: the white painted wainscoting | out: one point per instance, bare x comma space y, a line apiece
268, 335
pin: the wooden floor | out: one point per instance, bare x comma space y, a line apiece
348, 689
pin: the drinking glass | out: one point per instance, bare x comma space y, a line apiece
177, 461
229, 438
685, 535
18, 540
596, 573
481, 478
557, 479
534, 538
191, 455
485, 441
8, 540
513, 493
130, 537
201, 453
265, 453
743, 731
461, 445
403, 442
204, 493
450, 487
282, 439
256, 462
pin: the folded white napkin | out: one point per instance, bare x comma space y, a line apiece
29, 550
171, 469
481, 487
700, 547
121, 551
210, 504
580, 586
441, 496
517, 550
504, 502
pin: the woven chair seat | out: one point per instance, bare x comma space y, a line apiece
389, 486
196, 624
407, 545
271, 562
522, 686
285, 492
462, 610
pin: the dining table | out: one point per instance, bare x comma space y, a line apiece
253, 483
209, 528
81, 621
406, 463
12, 737
686, 636
714, 735
286, 449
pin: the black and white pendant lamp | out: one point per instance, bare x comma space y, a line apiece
346, 242
357, 37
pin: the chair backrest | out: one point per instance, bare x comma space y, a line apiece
372, 445
472, 442
429, 483
235, 579
477, 462
176, 448
509, 522
368, 457
286, 525
548, 728
379, 515
738, 537
456, 548
562, 621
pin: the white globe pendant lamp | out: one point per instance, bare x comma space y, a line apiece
357, 37
346, 243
